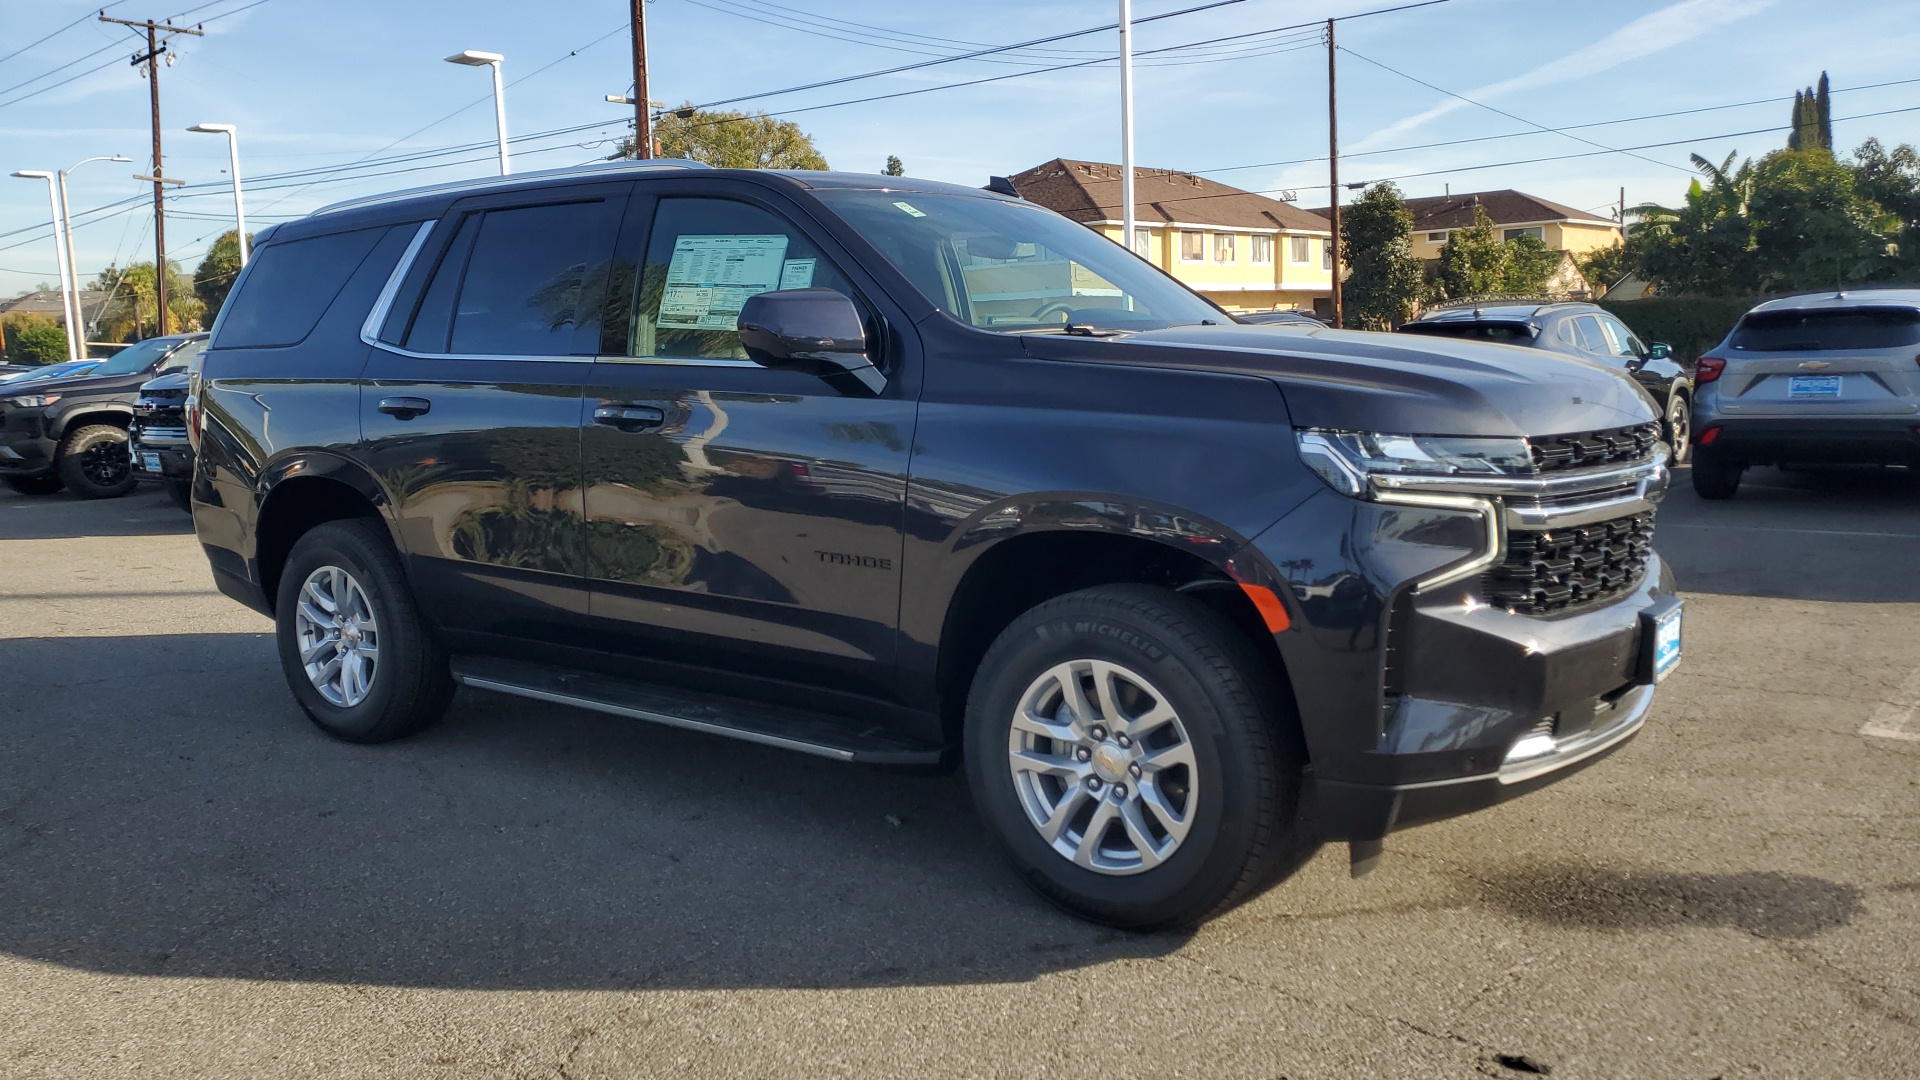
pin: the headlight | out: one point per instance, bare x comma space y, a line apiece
1349, 460
32, 401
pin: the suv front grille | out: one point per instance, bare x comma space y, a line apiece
1617, 446
1550, 571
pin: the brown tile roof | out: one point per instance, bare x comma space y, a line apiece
1505, 207
1090, 191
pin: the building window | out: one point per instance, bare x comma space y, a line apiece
1143, 243
1296, 249
1326, 254
1537, 232
1436, 238
1193, 247
1262, 249
1223, 248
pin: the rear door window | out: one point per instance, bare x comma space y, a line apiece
288, 287
1587, 329
1855, 330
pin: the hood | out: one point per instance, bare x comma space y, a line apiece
1410, 384
171, 383
81, 384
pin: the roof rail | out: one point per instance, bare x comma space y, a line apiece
613, 168
1491, 299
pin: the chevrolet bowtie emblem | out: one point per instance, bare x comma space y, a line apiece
1814, 365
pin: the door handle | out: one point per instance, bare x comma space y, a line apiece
630, 417
405, 408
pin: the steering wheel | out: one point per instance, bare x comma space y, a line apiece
1055, 308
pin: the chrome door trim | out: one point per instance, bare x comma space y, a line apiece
384, 303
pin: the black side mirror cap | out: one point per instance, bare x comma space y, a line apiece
1659, 350
818, 331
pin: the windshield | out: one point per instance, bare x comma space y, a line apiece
55, 371
1828, 331
134, 358
1014, 267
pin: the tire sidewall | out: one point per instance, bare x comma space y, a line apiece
74, 477
330, 545
1210, 859
1677, 405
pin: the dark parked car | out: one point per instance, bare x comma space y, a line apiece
1278, 318
1825, 379
1587, 331
157, 437
71, 431
912, 474
50, 371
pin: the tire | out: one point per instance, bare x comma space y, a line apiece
93, 462
407, 682
1241, 788
1715, 479
180, 492
35, 485
1679, 428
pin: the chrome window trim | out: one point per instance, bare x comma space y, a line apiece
677, 361
370, 329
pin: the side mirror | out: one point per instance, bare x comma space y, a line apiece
1659, 350
818, 331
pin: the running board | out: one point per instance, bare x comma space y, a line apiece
769, 725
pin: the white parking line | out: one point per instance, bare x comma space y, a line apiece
1802, 532
1898, 721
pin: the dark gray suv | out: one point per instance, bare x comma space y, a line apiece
1587, 331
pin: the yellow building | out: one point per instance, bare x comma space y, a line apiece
1561, 228
1244, 251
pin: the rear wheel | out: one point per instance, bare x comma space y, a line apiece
355, 651
1715, 479
1132, 756
93, 462
35, 485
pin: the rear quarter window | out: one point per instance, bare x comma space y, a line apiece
289, 286
1827, 331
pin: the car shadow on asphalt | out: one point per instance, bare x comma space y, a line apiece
165, 809
1835, 534
146, 511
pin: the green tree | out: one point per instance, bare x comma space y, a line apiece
1823, 114
130, 315
33, 339
1530, 264
1385, 277
1474, 261
1811, 127
732, 140
1811, 229
1891, 178
1704, 246
894, 167
1607, 266
214, 277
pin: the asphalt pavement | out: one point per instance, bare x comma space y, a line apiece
195, 882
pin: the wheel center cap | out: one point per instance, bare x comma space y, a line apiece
1110, 762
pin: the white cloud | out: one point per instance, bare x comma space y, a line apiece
1649, 34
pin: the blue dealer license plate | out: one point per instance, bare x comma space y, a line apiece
1813, 386
1666, 644
149, 462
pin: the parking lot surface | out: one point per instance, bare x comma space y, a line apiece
195, 882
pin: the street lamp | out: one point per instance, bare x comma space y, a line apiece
59, 249
475, 58
73, 268
233, 155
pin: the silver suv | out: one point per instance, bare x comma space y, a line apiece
1832, 378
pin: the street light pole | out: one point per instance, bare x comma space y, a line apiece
59, 248
233, 157
75, 311
475, 58
1126, 123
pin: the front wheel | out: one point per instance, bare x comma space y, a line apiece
1679, 428
93, 462
1715, 479
355, 651
1135, 761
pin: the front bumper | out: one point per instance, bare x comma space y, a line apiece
1413, 696
25, 449
170, 450
1754, 441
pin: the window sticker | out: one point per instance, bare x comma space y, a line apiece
711, 277
909, 208
797, 274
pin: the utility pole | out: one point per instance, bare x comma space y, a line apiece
1623, 215
1126, 125
1333, 169
156, 48
642, 117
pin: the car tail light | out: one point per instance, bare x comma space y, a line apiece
1708, 436
1708, 368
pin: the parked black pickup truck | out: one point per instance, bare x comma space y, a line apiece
157, 437
913, 474
72, 432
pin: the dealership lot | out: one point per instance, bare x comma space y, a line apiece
195, 881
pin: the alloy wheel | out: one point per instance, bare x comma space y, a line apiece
338, 636
105, 463
1103, 767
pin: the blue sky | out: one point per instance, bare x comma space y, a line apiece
314, 85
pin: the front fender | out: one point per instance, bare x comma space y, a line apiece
60, 421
